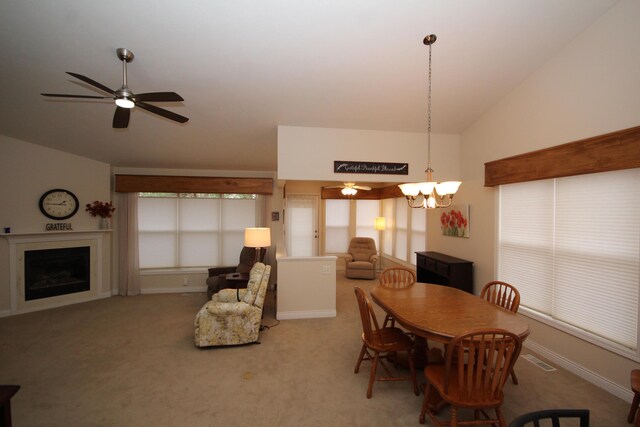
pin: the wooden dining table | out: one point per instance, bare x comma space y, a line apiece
439, 313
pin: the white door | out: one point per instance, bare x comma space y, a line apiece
301, 225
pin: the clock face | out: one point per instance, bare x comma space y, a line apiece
59, 204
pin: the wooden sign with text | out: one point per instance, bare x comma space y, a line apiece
341, 166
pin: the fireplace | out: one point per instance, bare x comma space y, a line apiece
53, 269
53, 272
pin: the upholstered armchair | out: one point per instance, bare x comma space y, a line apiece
233, 316
361, 258
217, 275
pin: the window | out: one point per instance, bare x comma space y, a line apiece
366, 213
178, 230
572, 248
336, 226
418, 232
400, 249
388, 209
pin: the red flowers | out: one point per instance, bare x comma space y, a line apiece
453, 223
101, 209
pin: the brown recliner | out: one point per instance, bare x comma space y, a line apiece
217, 275
362, 258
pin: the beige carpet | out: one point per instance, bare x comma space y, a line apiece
130, 361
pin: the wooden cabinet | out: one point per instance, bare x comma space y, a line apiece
441, 269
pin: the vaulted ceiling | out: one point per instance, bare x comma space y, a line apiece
244, 67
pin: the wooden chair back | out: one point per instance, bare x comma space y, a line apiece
482, 361
501, 294
555, 415
397, 277
370, 328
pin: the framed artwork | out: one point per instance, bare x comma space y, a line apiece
454, 221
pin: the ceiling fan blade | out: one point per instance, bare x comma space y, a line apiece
162, 112
91, 82
121, 118
63, 95
361, 187
158, 97
335, 186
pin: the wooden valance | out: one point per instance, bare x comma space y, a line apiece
609, 152
192, 184
373, 194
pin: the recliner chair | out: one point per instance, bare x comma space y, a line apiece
217, 275
362, 258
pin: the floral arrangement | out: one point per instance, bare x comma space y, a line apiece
101, 209
454, 223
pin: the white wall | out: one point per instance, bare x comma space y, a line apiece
26, 172
308, 153
590, 88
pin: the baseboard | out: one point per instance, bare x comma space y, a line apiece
310, 314
623, 392
5, 313
176, 290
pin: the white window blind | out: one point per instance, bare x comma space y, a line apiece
388, 210
572, 248
366, 213
191, 230
336, 226
400, 250
418, 233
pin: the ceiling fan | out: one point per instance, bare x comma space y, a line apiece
350, 188
125, 99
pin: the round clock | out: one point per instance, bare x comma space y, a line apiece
59, 204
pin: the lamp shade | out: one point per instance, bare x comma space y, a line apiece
257, 237
379, 224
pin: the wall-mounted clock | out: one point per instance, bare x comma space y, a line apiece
59, 204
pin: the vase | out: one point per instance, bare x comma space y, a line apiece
103, 224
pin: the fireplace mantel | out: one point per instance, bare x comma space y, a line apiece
11, 236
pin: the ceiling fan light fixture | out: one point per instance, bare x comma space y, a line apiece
124, 103
349, 191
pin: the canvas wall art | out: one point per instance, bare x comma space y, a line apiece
454, 221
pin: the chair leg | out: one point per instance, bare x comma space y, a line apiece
412, 368
425, 403
454, 417
362, 351
634, 408
372, 376
502, 422
513, 377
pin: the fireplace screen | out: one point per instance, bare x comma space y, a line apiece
53, 272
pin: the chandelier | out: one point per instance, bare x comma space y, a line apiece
429, 194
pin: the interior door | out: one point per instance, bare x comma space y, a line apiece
301, 225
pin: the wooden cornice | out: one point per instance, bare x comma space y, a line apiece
603, 153
192, 184
374, 194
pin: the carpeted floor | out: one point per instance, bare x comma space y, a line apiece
131, 361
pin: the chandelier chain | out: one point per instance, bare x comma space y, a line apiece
429, 115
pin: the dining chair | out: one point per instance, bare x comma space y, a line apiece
396, 278
383, 342
503, 295
475, 381
554, 415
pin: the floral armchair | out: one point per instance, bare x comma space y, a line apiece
233, 316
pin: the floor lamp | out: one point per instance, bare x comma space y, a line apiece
257, 237
380, 226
